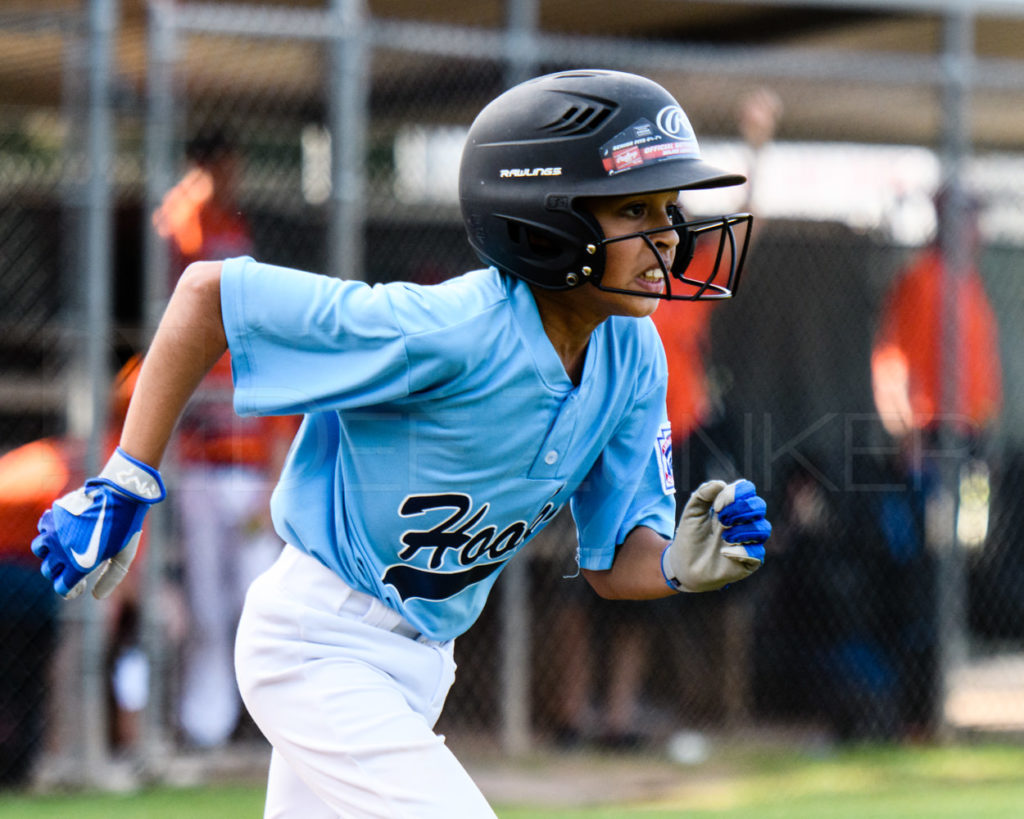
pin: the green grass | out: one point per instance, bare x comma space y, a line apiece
983, 782
225, 802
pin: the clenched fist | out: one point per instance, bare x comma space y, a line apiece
720, 538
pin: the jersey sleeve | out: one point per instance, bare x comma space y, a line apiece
302, 342
631, 484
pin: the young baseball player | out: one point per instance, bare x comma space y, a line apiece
444, 426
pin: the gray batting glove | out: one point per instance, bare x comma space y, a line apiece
720, 538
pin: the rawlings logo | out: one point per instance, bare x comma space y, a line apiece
483, 550
521, 173
672, 122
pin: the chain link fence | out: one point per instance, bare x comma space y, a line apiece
889, 604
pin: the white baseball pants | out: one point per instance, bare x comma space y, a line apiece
347, 694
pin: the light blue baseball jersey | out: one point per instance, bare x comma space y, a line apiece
441, 430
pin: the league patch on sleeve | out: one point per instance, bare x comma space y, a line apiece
663, 450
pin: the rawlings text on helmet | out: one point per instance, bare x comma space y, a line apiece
527, 173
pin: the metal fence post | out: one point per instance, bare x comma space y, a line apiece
159, 136
951, 583
96, 277
516, 620
348, 123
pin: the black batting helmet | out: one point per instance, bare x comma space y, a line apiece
536, 151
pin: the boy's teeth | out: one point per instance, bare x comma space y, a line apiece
651, 275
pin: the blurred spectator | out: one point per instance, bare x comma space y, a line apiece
913, 377
685, 327
31, 477
758, 114
227, 469
622, 633
851, 589
228, 465
685, 330
199, 215
908, 362
829, 615
602, 650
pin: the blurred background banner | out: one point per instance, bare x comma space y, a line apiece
867, 377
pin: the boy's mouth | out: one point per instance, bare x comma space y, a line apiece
652, 280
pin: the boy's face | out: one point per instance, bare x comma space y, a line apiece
632, 264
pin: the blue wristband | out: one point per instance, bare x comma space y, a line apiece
672, 583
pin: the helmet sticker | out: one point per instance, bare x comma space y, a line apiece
644, 143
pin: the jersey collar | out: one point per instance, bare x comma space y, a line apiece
549, 365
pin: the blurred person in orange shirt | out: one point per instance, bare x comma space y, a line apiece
228, 464
908, 363
685, 331
685, 327
199, 216
32, 477
910, 376
625, 625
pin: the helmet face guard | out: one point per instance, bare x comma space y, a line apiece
720, 258
534, 154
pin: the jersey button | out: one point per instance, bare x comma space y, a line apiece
550, 457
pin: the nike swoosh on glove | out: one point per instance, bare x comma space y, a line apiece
97, 526
720, 538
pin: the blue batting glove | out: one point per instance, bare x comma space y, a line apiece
720, 538
743, 516
97, 526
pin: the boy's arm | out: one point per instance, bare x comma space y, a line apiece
95, 529
186, 345
636, 573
